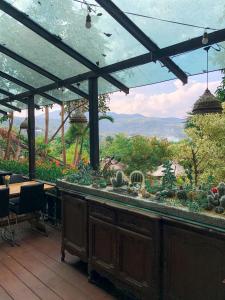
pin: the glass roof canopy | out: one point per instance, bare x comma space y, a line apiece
44, 45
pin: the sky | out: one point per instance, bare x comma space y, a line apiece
167, 99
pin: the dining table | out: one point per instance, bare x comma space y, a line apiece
14, 188
14, 191
4, 173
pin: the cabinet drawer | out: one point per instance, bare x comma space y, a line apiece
102, 212
140, 224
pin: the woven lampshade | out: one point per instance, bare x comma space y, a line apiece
207, 104
78, 118
24, 124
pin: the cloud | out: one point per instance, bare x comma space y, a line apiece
175, 103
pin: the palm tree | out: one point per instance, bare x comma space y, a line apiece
80, 132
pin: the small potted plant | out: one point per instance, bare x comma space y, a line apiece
7, 180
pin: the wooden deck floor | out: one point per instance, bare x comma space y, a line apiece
33, 271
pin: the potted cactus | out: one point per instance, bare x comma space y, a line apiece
119, 180
216, 199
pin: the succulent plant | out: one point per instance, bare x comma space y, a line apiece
219, 210
182, 195
222, 201
145, 193
118, 180
221, 189
213, 200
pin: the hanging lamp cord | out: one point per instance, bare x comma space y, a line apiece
207, 64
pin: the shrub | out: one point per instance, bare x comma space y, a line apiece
44, 171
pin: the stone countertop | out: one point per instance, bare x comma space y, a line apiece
206, 219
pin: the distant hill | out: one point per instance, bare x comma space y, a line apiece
130, 124
136, 124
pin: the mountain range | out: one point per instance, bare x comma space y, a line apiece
130, 124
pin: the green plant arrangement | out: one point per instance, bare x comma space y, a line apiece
216, 199
83, 176
119, 180
169, 179
44, 171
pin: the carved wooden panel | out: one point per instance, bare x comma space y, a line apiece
75, 225
138, 223
102, 245
194, 265
138, 262
103, 212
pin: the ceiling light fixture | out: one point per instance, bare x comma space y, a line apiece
207, 103
205, 38
88, 18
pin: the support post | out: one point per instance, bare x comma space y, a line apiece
31, 137
93, 121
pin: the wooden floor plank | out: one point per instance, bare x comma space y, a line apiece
30, 280
47, 250
46, 275
14, 287
35, 268
70, 274
4, 295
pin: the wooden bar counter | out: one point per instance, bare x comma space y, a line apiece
144, 253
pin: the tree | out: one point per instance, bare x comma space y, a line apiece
204, 149
79, 132
138, 152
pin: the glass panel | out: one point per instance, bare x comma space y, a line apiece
195, 62
4, 109
41, 101
104, 43
2, 96
28, 44
143, 75
83, 86
19, 104
21, 72
64, 94
10, 87
202, 13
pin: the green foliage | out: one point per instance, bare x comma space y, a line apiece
137, 153
194, 206
45, 171
220, 91
84, 176
3, 118
182, 195
203, 152
169, 179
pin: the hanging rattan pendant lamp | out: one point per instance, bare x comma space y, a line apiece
78, 117
207, 103
24, 124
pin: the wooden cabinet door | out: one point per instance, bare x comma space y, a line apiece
194, 265
138, 262
102, 245
75, 229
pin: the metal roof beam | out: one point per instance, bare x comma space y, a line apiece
176, 49
140, 36
10, 106
3, 112
39, 70
28, 87
57, 42
4, 101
